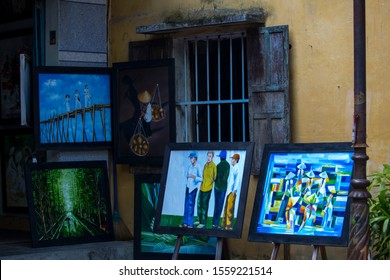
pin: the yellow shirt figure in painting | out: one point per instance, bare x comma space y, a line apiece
228, 213
209, 176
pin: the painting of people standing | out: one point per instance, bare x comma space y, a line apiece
204, 189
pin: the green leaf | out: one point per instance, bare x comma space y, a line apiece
379, 213
385, 226
378, 219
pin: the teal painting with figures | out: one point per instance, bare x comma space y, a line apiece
148, 244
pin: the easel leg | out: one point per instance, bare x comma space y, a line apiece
275, 251
218, 248
315, 252
286, 251
175, 255
323, 253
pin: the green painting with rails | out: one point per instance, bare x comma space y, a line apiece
69, 203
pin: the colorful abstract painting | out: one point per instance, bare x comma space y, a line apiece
303, 193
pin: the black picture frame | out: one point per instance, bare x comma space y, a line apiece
69, 203
67, 121
17, 151
149, 245
302, 194
12, 44
170, 211
136, 140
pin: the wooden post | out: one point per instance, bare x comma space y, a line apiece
219, 248
359, 237
175, 255
275, 251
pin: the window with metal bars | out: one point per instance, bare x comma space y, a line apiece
215, 101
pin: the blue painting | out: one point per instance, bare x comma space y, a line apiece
74, 108
305, 193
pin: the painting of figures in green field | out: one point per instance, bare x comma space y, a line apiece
148, 244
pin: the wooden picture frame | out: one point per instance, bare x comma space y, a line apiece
179, 211
72, 107
150, 245
69, 203
144, 110
302, 194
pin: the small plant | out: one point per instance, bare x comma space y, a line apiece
379, 206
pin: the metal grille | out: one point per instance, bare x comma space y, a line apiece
215, 99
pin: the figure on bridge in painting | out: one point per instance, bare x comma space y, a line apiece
67, 103
77, 101
87, 96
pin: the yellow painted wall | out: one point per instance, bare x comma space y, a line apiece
321, 73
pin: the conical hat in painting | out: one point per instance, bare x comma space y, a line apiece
301, 166
324, 175
290, 175
144, 97
310, 174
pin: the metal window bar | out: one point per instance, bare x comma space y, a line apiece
243, 86
196, 90
208, 87
219, 89
231, 86
185, 89
243, 101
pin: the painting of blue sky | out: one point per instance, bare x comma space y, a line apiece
74, 107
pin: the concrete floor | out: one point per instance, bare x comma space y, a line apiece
16, 245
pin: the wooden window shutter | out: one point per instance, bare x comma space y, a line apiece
268, 88
150, 49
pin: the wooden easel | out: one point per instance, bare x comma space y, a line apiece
316, 248
175, 255
315, 252
218, 248
275, 251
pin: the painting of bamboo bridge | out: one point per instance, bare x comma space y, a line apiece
74, 107
64, 128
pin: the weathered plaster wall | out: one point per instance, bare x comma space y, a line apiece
321, 71
322, 85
